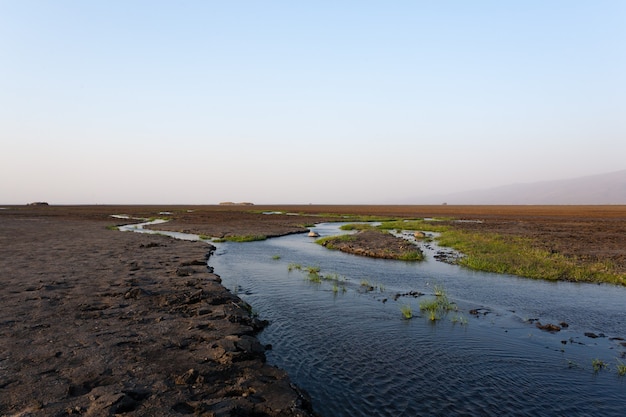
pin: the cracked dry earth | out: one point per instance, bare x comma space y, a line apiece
97, 322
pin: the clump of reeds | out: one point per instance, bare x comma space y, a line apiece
293, 266
407, 311
437, 307
598, 365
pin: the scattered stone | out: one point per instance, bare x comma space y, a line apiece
478, 311
591, 335
196, 262
549, 327
134, 266
151, 245
134, 293
185, 271
189, 378
413, 294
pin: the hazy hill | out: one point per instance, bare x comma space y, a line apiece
597, 189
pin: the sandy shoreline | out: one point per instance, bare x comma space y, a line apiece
97, 322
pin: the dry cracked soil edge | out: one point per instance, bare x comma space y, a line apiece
97, 322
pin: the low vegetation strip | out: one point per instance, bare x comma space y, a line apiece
520, 256
374, 243
504, 254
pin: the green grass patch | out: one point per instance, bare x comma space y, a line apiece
416, 224
407, 311
315, 277
459, 319
518, 256
357, 217
366, 286
413, 255
313, 269
436, 308
356, 226
245, 238
621, 368
293, 266
328, 240
598, 365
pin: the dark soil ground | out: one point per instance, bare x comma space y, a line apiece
375, 244
97, 322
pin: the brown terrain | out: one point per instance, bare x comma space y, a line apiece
375, 244
97, 322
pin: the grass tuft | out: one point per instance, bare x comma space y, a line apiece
407, 311
356, 226
598, 365
293, 266
245, 238
437, 307
417, 224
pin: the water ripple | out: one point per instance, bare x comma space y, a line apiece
356, 356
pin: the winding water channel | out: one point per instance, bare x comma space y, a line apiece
348, 345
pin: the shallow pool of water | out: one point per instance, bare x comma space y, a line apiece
352, 350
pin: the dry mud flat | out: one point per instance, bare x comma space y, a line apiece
96, 322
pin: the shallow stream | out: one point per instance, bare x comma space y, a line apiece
345, 341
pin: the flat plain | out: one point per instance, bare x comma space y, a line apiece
99, 322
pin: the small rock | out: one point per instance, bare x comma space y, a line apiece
190, 377
185, 271
548, 327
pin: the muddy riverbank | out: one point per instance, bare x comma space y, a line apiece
97, 322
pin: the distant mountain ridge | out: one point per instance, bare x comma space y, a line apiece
593, 190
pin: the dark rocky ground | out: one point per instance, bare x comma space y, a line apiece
97, 322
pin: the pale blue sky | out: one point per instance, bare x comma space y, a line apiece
197, 102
